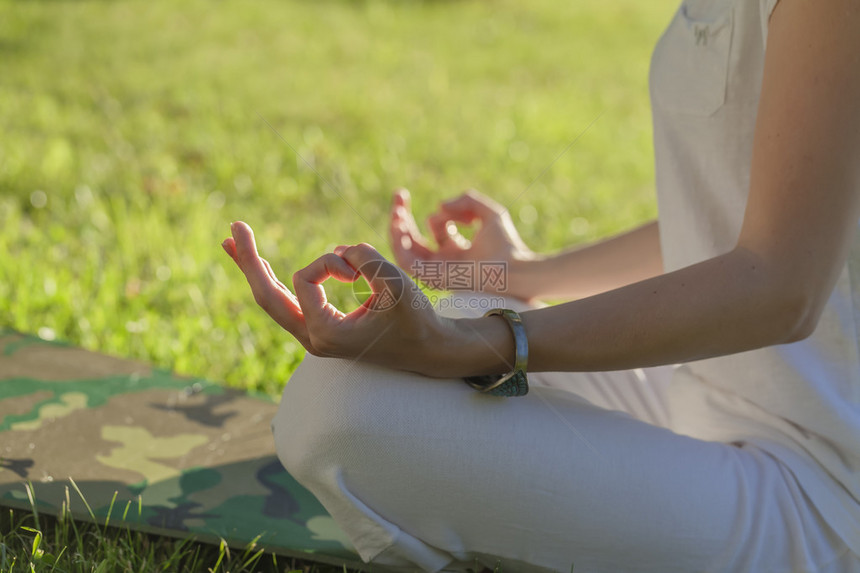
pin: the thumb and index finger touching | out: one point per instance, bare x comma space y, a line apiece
381, 275
470, 206
346, 263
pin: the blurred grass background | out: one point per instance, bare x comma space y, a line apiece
132, 133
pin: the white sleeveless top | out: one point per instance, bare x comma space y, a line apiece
801, 401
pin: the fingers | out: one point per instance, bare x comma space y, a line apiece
249, 260
328, 265
386, 281
445, 231
309, 290
402, 220
407, 242
469, 206
438, 225
229, 246
275, 278
402, 198
268, 291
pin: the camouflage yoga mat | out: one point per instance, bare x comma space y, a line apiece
157, 452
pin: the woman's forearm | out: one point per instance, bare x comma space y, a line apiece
592, 269
728, 304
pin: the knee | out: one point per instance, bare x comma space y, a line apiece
340, 414
300, 426
325, 405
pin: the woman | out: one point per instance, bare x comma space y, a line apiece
745, 458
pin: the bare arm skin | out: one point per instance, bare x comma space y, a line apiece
595, 268
574, 273
801, 216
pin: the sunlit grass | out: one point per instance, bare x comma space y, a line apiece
134, 132
34, 543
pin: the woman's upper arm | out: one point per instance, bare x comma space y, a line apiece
804, 199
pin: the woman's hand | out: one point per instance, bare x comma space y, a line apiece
495, 241
395, 327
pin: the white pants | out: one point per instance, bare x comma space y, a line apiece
579, 475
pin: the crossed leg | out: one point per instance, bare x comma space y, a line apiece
429, 474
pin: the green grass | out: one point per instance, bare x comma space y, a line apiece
134, 132
35, 543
